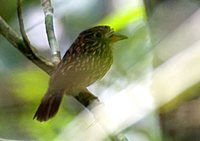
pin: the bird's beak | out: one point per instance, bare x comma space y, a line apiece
118, 37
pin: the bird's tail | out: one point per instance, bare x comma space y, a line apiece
49, 106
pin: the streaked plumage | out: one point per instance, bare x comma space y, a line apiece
87, 60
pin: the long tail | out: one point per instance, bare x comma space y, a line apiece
49, 106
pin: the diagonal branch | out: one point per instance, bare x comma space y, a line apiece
24, 46
48, 12
7, 32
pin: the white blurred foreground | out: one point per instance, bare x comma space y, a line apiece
134, 102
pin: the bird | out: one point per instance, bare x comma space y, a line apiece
86, 61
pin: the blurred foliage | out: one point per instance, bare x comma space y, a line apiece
26, 84
8, 10
27, 88
173, 26
23, 84
120, 19
5, 12
31, 80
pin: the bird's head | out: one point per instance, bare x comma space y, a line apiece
101, 34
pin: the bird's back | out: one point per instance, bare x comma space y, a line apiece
80, 68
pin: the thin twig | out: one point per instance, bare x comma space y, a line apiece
7, 32
21, 24
48, 12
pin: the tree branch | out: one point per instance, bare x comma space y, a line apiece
48, 12
24, 46
7, 32
21, 24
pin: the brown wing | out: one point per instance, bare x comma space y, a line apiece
79, 68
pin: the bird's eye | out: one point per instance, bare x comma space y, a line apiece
98, 35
